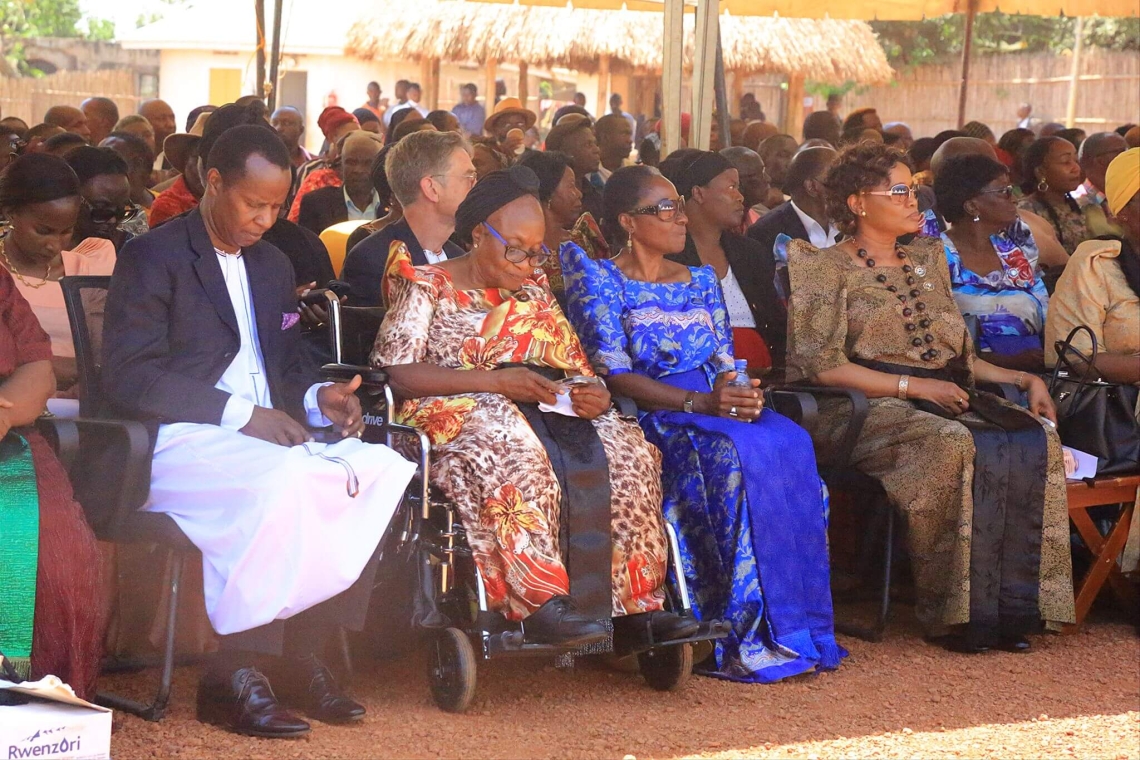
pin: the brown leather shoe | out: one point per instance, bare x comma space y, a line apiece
247, 705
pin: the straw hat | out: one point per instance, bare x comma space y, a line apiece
177, 147
509, 106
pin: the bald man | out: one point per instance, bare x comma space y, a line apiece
1029, 232
357, 198
69, 119
1096, 153
161, 118
803, 216
102, 115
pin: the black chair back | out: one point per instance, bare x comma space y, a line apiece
86, 299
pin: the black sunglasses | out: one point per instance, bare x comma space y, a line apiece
106, 215
666, 210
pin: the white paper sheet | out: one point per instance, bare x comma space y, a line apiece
562, 405
1086, 464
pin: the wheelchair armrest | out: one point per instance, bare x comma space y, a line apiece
796, 405
342, 373
393, 429
626, 406
1007, 391
860, 408
108, 495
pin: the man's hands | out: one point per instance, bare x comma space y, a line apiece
339, 403
275, 426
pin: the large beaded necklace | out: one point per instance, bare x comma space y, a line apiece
913, 310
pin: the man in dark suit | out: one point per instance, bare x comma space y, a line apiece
202, 345
430, 174
804, 217
356, 199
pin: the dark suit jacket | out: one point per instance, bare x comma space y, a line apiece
781, 220
170, 330
322, 208
365, 264
755, 270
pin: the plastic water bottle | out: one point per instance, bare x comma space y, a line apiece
741, 380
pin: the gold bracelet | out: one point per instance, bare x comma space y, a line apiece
904, 385
1018, 379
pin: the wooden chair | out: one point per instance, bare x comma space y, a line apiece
1098, 492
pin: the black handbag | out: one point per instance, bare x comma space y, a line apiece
1095, 416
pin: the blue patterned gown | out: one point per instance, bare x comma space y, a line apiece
744, 498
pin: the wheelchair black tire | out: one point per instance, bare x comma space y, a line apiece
666, 668
451, 670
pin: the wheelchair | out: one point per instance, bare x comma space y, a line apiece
450, 602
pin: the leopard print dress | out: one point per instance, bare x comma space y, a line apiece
487, 460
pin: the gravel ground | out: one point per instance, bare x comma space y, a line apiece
1074, 696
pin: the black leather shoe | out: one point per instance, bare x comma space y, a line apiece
557, 622
1015, 644
317, 693
666, 626
955, 642
247, 705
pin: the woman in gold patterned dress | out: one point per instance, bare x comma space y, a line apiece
980, 481
473, 345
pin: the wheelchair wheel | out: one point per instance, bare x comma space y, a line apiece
451, 668
667, 668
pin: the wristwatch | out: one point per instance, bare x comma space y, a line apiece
688, 405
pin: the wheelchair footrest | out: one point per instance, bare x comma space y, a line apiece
709, 630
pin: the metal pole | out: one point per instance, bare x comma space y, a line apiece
672, 66
723, 118
1075, 78
274, 56
967, 46
259, 13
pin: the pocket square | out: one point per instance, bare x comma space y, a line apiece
288, 319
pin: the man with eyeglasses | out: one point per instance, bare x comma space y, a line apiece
106, 195
430, 174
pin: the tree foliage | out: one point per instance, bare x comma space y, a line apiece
22, 19
934, 40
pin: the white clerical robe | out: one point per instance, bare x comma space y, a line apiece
278, 529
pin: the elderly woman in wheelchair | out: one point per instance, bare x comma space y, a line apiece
559, 496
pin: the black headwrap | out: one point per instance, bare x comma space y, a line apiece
549, 166
490, 194
691, 168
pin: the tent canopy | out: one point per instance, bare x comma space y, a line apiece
884, 10
824, 50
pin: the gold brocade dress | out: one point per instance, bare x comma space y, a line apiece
840, 312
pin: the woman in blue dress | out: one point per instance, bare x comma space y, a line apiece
740, 482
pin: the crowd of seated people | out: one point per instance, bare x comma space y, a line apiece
521, 278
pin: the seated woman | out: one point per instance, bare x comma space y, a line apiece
989, 542
1050, 171
455, 342
561, 201
49, 565
39, 196
753, 544
106, 196
1101, 286
993, 279
714, 205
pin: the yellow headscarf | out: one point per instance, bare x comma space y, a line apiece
1122, 180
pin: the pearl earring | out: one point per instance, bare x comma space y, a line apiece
863, 212
977, 218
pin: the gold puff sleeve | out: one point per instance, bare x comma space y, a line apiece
817, 311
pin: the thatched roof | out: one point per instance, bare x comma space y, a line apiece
824, 50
